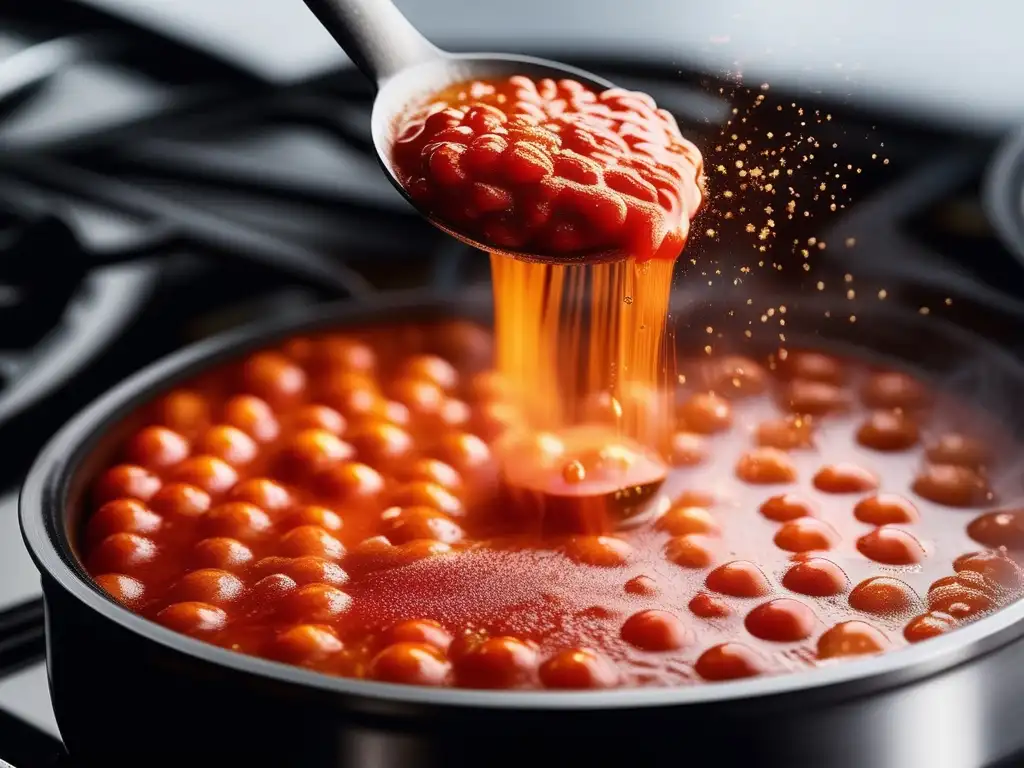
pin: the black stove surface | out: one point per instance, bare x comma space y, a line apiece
172, 187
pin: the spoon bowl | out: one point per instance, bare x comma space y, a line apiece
407, 70
414, 85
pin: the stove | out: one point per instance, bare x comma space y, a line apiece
153, 193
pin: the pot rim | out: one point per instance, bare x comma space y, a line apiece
44, 492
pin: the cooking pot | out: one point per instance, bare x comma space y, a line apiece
128, 692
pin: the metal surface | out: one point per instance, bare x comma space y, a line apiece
952, 701
378, 39
220, 237
25, 694
953, 62
24, 75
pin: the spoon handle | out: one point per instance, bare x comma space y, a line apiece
374, 34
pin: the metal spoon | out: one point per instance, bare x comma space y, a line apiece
407, 69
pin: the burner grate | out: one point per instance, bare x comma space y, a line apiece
57, 314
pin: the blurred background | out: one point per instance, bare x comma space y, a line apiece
171, 168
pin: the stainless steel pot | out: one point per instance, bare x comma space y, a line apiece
128, 692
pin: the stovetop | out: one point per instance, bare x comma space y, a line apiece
153, 193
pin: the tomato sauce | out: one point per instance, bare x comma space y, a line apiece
552, 168
339, 503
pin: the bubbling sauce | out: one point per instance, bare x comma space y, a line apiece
336, 503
